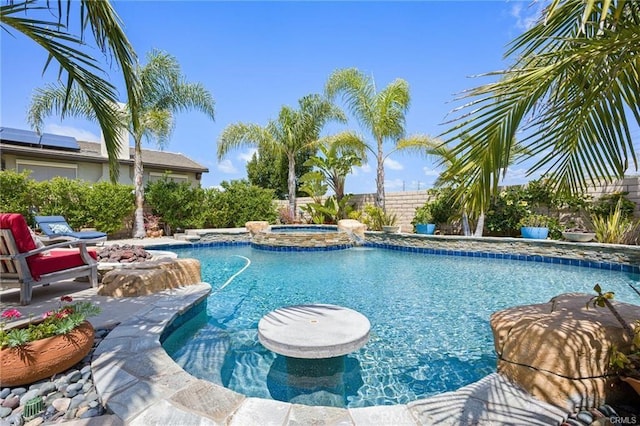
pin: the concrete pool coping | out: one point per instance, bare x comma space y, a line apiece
141, 385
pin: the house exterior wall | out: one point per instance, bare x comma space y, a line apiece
95, 172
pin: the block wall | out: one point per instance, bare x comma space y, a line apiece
404, 204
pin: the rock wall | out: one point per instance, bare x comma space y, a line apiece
150, 277
302, 239
606, 256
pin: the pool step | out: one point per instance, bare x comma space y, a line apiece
187, 237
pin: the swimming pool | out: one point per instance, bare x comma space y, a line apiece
429, 318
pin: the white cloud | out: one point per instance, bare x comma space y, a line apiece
394, 185
356, 171
226, 166
79, 134
430, 172
393, 164
518, 176
526, 16
247, 155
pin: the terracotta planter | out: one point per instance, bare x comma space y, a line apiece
634, 383
44, 358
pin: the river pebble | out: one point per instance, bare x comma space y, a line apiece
67, 396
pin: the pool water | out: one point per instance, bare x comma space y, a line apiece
429, 319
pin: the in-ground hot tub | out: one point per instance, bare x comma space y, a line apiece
301, 238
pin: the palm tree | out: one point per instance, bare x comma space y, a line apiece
452, 177
293, 131
340, 153
163, 93
382, 113
572, 91
71, 53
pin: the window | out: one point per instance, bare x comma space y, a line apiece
44, 170
155, 176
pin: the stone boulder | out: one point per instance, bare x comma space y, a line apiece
256, 226
352, 227
559, 351
150, 277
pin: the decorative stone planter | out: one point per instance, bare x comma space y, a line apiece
425, 228
391, 229
43, 358
579, 237
534, 232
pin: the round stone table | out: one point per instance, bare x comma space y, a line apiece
313, 331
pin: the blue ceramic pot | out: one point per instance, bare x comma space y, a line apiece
425, 228
534, 232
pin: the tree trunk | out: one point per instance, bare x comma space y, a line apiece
465, 224
291, 183
380, 178
479, 225
138, 224
339, 188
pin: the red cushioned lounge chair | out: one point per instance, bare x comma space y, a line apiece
21, 259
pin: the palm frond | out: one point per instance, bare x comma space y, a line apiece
241, 134
81, 68
573, 92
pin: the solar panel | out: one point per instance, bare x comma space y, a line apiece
59, 141
31, 138
18, 136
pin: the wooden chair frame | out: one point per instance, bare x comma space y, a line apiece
13, 265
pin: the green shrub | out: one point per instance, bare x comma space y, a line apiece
375, 218
607, 204
444, 207
16, 193
108, 205
237, 203
64, 197
506, 212
423, 214
102, 205
179, 204
615, 228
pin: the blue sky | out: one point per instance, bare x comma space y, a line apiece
255, 57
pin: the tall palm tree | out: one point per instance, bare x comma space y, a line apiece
573, 91
382, 113
294, 130
340, 154
71, 52
164, 92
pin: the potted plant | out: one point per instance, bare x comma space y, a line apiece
577, 233
46, 346
388, 221
625, 364
535, 226
423, 220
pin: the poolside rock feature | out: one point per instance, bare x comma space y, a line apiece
352, 227
126, 253
150, 277
304, 237
559, 350
256, 226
